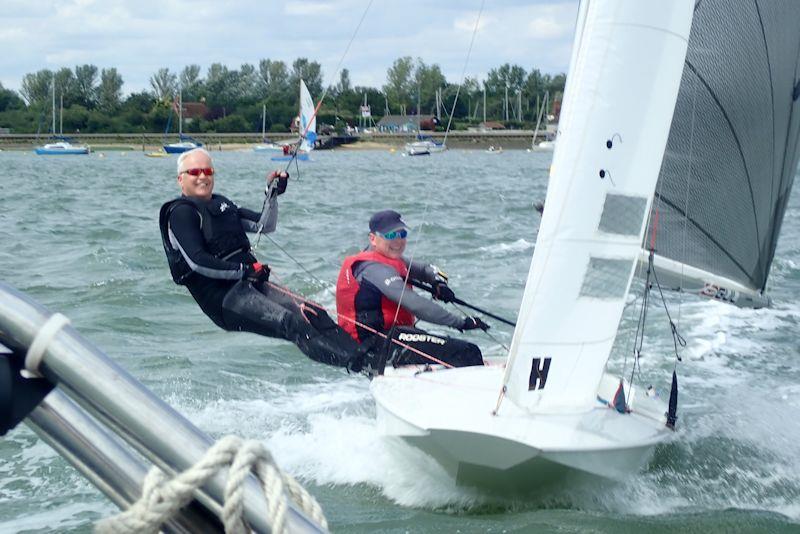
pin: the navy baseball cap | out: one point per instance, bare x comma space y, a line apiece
386, 221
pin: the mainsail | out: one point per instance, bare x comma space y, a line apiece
732, 153
624, 77
308, 120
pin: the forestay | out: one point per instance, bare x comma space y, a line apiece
732, 151
623, 82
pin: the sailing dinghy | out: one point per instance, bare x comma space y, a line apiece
724, 172
549, 413
307, 127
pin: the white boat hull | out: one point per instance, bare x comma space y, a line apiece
61, 148
448, 415
419, 148
269, 147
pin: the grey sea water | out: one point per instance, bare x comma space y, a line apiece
80, 235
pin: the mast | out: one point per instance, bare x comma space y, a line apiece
505, 104
54, 104
419, 89
180, 113
61, 116
363, 118
539, 119
591, 232
263, 121
484, 103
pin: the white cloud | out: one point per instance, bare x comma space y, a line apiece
546, 28
140, 37
12, 34
467, 22
308, 8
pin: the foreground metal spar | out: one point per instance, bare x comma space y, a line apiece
147, 423
104, 459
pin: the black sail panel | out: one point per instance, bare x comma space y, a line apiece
732, 152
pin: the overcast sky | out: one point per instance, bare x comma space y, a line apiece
140, 36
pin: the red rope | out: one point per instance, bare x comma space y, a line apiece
653, 231
365, 327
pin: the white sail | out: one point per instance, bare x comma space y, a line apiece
621, 91
308, 120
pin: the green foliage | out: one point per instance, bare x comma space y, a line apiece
9, 100
164, 84
231, 124
36, 88
234, 97
109, 93
311, 73
400, 85
86, 85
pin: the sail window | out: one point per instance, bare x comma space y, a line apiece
606, 278
622, 214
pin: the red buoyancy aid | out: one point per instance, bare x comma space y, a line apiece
347, 288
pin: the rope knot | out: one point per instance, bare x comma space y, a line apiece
162, 496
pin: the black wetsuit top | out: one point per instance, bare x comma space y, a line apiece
213, 276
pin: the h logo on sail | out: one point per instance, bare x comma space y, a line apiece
539, 369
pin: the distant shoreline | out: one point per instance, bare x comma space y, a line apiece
507, 139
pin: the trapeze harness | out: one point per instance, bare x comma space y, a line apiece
222, 232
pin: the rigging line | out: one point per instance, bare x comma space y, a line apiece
309, 273
677, 338
325, 287
301, 298
463, 71
335, 72
779, 207
267, 196
428, 199
641, 323
686, 199
412, 251
772, 159
639, 327
490, 336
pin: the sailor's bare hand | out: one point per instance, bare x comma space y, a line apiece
276, 174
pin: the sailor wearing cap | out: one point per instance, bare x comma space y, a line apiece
374, 293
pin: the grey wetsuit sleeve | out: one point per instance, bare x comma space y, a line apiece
266, 221
422, 272
391, 284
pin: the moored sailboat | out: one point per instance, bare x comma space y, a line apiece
185, 142
61, 145
266, 145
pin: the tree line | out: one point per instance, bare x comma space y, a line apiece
93, 101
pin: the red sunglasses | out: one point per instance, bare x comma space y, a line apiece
208, 171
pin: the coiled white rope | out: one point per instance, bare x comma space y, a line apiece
162, 497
